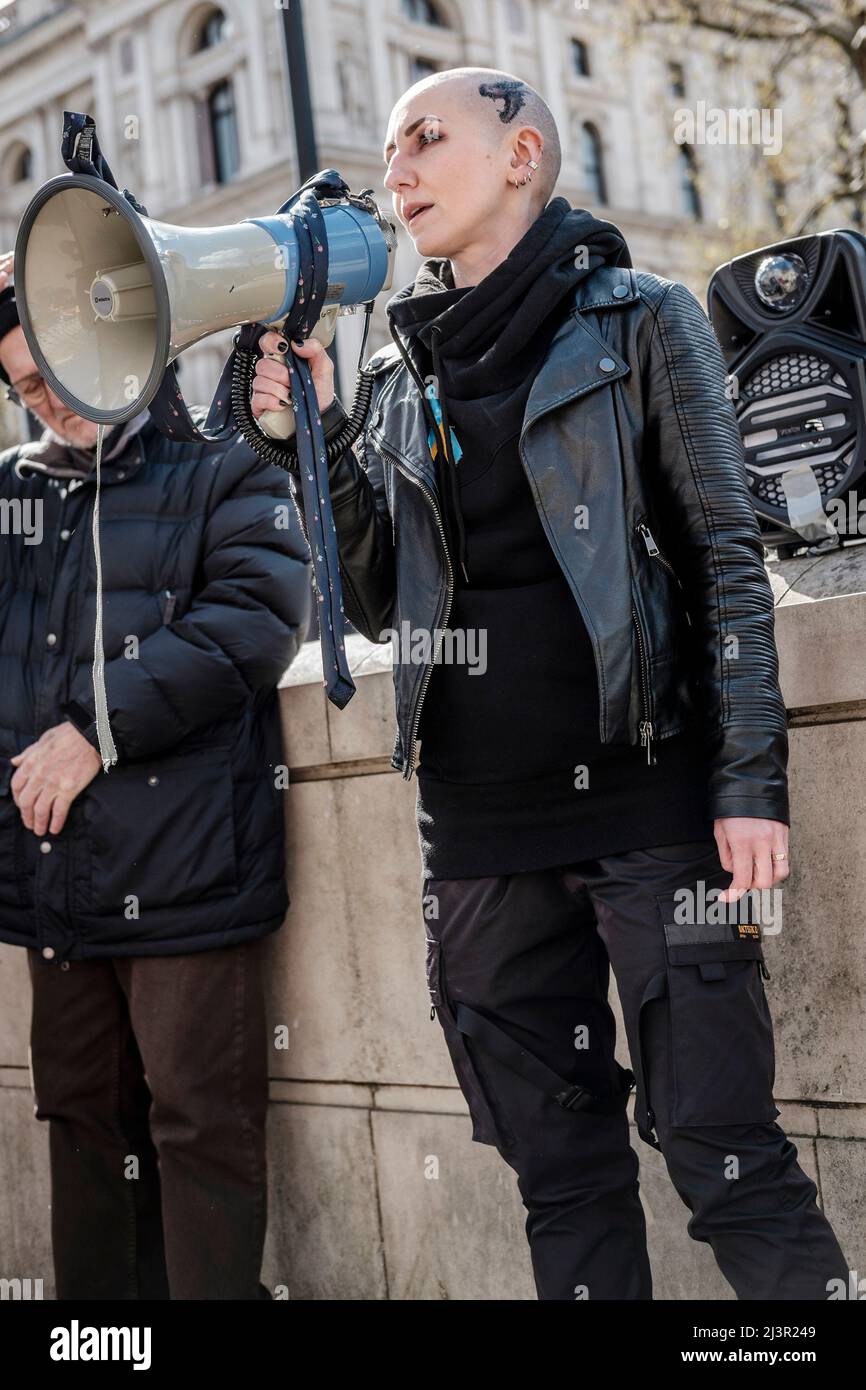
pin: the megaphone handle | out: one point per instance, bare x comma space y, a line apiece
278, 424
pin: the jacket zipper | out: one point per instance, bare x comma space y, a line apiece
653, 549
646, 728
449, 591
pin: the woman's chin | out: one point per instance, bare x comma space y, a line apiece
430, 243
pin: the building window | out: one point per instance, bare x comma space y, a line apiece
423, 12
126, 55
210, 30
579, 58
218, 132
419, 68
592, 158
690, 197
676, 79
22, 166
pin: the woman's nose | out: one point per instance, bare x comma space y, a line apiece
398, 176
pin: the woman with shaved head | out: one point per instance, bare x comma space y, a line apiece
550, 491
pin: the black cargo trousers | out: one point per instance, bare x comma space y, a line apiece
518, 969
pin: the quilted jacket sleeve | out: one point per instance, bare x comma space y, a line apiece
242, 630
364, 531
695, 440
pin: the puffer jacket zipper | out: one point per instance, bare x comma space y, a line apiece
449, 592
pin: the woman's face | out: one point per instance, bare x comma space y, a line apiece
446, 173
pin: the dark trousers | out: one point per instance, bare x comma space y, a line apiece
518, 971
152, 1074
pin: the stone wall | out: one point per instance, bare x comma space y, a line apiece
364, 1103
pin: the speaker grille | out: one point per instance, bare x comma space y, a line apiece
828, 476
796, 406
785, 373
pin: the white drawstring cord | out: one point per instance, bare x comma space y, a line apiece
103, 728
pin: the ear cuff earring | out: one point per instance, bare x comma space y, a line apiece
531, 165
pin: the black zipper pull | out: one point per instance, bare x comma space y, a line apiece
764, 971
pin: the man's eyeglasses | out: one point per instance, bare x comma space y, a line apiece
29, 391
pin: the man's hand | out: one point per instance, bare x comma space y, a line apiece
746, 846
271, 380
50, 774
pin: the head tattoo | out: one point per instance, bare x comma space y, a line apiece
511, 93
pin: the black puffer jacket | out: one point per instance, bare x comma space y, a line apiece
180, 846
629, 418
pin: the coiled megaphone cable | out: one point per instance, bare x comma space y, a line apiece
284, 453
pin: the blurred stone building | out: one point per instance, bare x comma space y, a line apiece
193, 113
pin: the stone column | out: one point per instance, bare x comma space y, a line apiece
153, 149
381, 93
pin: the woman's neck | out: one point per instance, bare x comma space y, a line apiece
470, 266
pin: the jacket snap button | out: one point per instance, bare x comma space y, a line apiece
607, 364
153, 781
64, 535
620, 292
51, 638
46, 849
48, 952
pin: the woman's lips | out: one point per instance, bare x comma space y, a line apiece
420, 213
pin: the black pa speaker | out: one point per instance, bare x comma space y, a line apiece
791, 321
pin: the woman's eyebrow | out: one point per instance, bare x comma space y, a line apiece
409, 129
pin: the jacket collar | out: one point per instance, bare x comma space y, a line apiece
51, 456
578, 361
608, 287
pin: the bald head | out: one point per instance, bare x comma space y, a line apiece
500, 103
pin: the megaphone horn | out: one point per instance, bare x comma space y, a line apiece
108, 298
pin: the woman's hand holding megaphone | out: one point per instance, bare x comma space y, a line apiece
271, 380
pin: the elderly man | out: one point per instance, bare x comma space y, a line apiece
143, 895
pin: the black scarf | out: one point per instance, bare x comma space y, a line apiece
486, 338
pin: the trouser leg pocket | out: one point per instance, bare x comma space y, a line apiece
489, 1125
721, 1032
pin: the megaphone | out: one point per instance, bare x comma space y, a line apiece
109, 297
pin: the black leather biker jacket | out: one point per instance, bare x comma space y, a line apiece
629, 418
